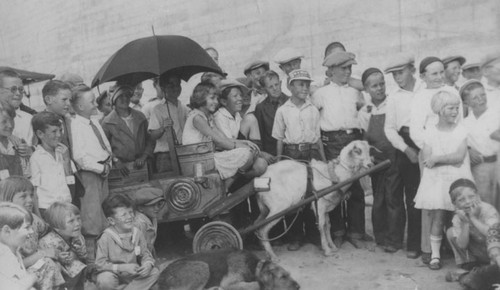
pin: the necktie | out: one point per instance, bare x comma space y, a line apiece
99, 136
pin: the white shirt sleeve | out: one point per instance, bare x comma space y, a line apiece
417, 122
391, 126
80, 150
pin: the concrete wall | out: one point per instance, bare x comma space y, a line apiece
68, 35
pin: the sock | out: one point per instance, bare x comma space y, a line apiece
435, 246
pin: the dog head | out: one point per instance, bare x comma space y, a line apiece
272, 276
358, 154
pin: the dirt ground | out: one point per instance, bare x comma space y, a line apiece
350, 268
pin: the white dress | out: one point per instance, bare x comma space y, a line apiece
227, 162
433, 191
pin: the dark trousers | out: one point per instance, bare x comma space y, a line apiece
408, 180
349, 216
305, 223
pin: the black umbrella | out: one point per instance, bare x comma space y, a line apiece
153, 56
29, 77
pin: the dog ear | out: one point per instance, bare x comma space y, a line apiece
262, 273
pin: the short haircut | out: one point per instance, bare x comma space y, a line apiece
8, 74
442, 99
462, 182
208, 76
77, 93
13, 215
52, 88
333, 45
225, 92
199, 97
465, 92
165, 77
44, 119
270, 74
12, 185
56, 213
115, 201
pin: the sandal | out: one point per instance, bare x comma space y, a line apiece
435, 264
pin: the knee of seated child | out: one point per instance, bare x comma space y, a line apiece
107, 280
260, 166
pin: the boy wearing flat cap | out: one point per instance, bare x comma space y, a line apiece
396, 129
148, 201
481, 123
254, 71
288, 59
338, 104
472, 71
296, 129
491, 80
421, 117
452, 69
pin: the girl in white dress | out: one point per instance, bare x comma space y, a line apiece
236, 155
445, 159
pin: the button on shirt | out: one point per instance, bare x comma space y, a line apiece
337, 106
178, 113
480, 129
48, 176
294, 125
87, 150
22, 128
368, 110
398, 114
422, 116
228, 124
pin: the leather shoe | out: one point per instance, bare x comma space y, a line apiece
367, 238
357, 243
338, 241
426, 258
412, 254
390, 249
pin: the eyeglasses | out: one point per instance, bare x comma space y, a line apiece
15, 90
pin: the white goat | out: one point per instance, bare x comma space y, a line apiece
288, 187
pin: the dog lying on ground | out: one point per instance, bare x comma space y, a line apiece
289, 183
228, 269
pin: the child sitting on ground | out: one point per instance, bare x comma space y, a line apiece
472, 220
50, 163
148, 202
19, 190
122, 253
66, 238
15, 226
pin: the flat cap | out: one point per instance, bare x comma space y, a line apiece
340, 58
230, 83
449, 59
427, 61
490, 59
399, 62
471, 65
119, 91
256, 64
299, 74
466, 86
71, 78
287, 54
147, 196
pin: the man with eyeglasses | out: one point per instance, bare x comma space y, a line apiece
12, 92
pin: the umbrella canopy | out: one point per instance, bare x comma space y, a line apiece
29, 77
153, 56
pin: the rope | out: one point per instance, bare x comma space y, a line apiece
284, 232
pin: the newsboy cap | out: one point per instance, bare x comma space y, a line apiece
286, 55
449, 59
471, 65
399, 62
340, 58
256, 64
299, 74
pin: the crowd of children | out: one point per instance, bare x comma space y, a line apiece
60, 227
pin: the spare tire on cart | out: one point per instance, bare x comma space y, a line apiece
216, 235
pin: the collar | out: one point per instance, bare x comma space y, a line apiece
81, 119
370, 106
281, 99
334, 84
61, 148
304, 105
224, 112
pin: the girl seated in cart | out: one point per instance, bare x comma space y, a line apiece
235, 156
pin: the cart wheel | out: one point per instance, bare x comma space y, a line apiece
216, 235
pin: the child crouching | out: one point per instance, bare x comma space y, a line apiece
66, 239
122, 253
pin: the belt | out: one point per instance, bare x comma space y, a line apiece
302, 146
489, 159
326, 135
